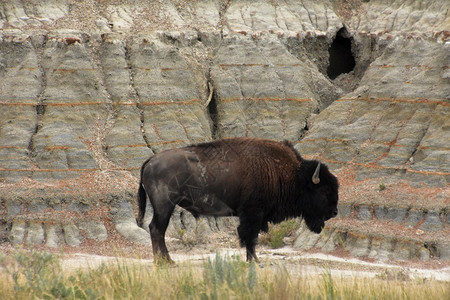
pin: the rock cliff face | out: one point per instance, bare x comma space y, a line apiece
90, 89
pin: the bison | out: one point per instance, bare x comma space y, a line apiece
257, 180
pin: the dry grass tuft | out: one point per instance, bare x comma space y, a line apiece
38, 275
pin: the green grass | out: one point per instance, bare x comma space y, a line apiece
277, 232
37, 275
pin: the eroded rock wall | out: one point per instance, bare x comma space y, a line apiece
89, 90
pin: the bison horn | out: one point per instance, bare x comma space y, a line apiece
315, 178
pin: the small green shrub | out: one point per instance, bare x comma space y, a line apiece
226, 277
277, 232
39, 274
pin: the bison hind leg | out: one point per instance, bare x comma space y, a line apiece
158, 227
248, 230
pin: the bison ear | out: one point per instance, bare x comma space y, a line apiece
315, 178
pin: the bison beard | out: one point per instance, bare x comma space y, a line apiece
258, 180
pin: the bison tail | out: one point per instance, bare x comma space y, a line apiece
142, 203
141, 199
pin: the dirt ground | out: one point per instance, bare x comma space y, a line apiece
93, 254
296, 263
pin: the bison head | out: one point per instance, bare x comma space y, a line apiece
319, 194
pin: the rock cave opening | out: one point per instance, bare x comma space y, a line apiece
341, 59
212, 110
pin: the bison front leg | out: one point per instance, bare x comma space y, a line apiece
158, 227
248, 229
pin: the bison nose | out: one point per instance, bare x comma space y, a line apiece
335, 212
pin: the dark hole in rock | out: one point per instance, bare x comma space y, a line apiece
212, 110
432, 248
4, 229
40, 109
341, 57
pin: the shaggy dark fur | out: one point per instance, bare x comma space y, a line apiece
258, 180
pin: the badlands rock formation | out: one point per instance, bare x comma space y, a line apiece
90, 89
